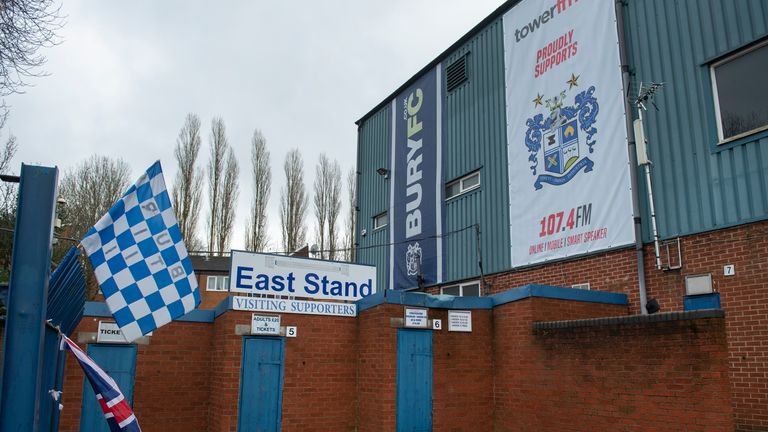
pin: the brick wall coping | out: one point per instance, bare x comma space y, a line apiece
423, 300
100, 309
515, 294
560, 293
630, 319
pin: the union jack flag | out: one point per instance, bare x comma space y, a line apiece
118, 413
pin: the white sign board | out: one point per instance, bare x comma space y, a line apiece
109, 332
300, 277
416, 318
459, 321
255, 304
569, 184
265, 325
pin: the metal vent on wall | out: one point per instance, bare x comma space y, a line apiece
456, 74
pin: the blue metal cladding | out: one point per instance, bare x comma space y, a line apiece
119, 362
66, 294
698, 184
261, 384
474, 139
414, 380
373, 193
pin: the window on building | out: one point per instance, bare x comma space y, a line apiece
462, 185
380, 220
583, 285
217, 283
466, 289
740, 90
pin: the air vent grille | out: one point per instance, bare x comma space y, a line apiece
456, 74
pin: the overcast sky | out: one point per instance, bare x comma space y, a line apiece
127, 73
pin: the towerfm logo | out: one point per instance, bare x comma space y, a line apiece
546, 16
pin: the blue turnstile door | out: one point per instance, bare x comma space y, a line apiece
261, 384
414, 380
119, 362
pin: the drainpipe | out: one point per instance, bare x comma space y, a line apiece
632, 152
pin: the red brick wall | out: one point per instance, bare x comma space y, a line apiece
209, 299
462, 379
658, 376
319, 373
377, 368
171, 383
744, 298
462, 388
614, 271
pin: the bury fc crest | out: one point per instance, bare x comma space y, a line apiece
413, 259
560, 137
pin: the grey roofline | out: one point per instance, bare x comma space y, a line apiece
471, 33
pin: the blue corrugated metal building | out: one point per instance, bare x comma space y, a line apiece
705, 131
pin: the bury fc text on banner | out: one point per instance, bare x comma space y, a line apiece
416, 220
569, 185
140, 260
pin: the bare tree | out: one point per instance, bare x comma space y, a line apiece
228, 196
188, 184
90, 190
334, 209
7, 210
219, 145
256, 226
321, 201
351, 222
25, 26
8, 190
327, 200
293, 203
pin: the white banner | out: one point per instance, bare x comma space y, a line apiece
300, 277
569, 190
303, 307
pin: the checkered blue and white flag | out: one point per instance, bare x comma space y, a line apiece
140, 260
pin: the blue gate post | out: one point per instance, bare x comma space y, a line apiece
27, 299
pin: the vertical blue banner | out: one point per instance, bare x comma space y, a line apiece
416, 220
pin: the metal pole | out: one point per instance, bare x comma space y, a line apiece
651, 206
28, 299
483, 290
632, 153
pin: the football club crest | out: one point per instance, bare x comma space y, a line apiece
560, 142
413, 259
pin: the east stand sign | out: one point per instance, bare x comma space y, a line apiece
282, 276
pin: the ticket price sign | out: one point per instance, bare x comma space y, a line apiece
460, 321
265, 325
416, 318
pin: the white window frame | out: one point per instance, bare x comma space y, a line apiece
713, 79
464, 284
460, 181
221, 283
376, 220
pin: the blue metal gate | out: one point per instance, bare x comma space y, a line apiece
261, 384
414, 380
119, 362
